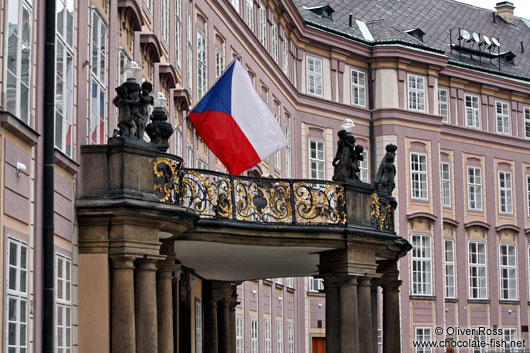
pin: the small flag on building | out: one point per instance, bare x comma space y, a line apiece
235, 122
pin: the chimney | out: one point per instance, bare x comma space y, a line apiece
505, 11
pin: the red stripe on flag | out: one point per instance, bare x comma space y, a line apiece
226, 140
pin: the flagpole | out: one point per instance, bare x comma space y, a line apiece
217, 79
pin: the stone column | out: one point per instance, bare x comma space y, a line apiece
211, 341
331, 287
146, 308
164, 301
233, 305
391, 319
365, 314
375, 317
349, 316
122, 298
224, 327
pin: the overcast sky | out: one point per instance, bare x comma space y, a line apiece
522, 7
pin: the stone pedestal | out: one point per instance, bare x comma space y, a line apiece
164, 302
122, 297
146, 307
365, 315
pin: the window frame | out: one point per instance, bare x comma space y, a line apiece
63, 301
202, 65
254, 335
415, 95
285, 56
267, 333
290, 338
445, 180
164, 21
443, 105
419, 181
319, 284
484, 265
18, 75
263, 25
316, 77
240, 335
318, 162
504, 116
249, 10
505, 193
359, 98
424, 286
178, 33
449, 273
198, 325
511, 278
475, 111
526, 118
528, 195
364, 173
423, 338
475, 186
189, 51
513, 337
279, 337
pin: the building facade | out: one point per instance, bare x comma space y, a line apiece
404, 72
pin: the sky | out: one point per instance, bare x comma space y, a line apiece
522, 7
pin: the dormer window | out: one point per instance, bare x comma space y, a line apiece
324, 11
416, 33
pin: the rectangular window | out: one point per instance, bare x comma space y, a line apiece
17, 296
285, 59
64, 305
201, 65
528, 195
189, 157
363, 166
418, 176
64, 78
178, 142
240, 342
423, 334
148, 4
477, 270
508, 271
472, 111
198, 326
201, 164
421, 265
443, 104
481, 347
253, 335
219, 63
474, 188
314, 76
288, 160
235, 4
278, 154
189, 52
289, 281
123, 60
358, 90
268, 345
279, 336
445, 176
316, 284
274, 35
263, 25
449, 268
178, 32
290, 338
316, 159
98, 120
164, 25
503, 117
527, 122
505, 192
249, 8
18, 74
416, 88
510, 340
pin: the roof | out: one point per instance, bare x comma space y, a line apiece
389, 20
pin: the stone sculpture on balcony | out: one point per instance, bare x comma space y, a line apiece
347, 158
384, 179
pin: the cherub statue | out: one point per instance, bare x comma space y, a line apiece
142, 113
126, 101
384, 179
342, 158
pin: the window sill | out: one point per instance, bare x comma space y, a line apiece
316, 294
451, 300
65, 162
279, 285
422, 297
290, 289
17, 127
478, 301
509, 301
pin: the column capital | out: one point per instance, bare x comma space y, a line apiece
123, 261
348, 280
148, 263
391, 285
365, 281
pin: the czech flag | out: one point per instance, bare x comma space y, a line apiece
235, 122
